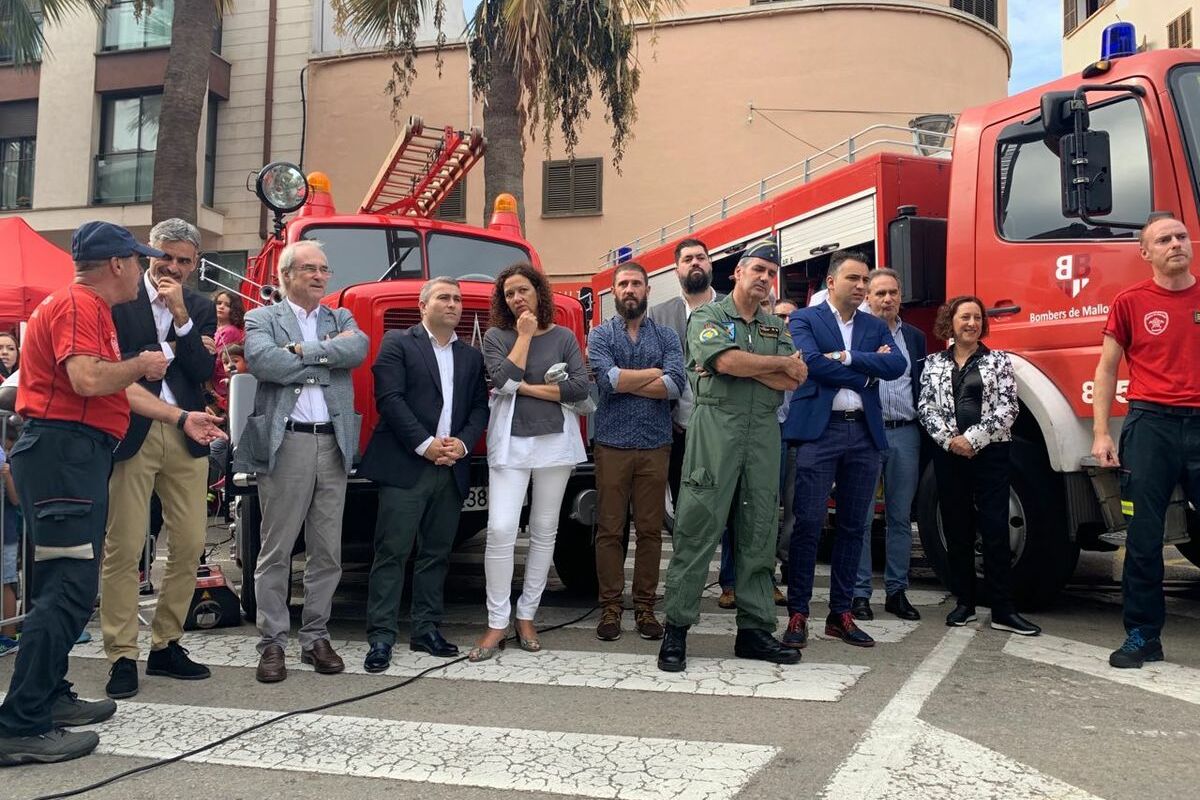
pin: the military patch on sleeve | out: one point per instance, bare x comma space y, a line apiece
710, 331
731, 328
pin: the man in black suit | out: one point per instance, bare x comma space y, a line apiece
156, 457
432, 404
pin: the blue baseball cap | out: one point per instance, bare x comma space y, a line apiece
97, 241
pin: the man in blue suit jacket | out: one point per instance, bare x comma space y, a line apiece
432, 403
837, 421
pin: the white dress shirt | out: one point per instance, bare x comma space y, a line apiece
162, 323
310, 405
846, 399
444, 353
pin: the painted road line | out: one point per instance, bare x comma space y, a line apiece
577, 764
731, 677
1169, 680
901, 757
1176, 606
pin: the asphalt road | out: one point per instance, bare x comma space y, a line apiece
928, 713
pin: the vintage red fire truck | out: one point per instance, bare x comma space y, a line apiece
1035, 209
381, 254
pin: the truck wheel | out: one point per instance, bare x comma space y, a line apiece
575, 548
1191, 550
249, 542
1043, 555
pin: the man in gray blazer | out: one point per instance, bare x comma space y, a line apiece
301, 441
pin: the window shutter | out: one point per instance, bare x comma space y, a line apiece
572, 188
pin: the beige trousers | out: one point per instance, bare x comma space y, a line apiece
162, 465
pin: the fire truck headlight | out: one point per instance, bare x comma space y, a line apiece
281, 186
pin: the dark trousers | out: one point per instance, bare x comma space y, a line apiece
845, 456
973, 496
425, 514
621, 475
61, 471
1158, 451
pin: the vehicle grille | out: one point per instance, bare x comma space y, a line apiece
470, 328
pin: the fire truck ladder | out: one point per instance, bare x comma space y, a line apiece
422, 169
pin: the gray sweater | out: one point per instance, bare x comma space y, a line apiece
533, 416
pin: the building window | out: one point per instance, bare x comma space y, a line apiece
1077, 12
16, 172
210, 153
1179, 32
124, 29
572, 188
984, 9
7, 53
128, 139
454, 207
1030, 195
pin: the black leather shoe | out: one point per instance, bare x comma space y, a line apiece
762, 646
379, 657
173, 662
1013, 622
672, 655
841, 626
433, 643
960, 616
897, 604
122, 679
860, 607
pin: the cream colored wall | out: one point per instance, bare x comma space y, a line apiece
693, 142
1149, 17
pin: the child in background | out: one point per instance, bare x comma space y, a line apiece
9, 567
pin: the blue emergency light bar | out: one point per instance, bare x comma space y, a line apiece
1119, 39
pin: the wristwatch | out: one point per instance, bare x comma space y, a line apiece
840, 356
179, 423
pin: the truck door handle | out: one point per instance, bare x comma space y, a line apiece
1003, 311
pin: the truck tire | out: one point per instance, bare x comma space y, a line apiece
1044, 556
575, 546
249, 543
1191, 550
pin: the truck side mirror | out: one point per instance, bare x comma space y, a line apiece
1086, 164
1057, 117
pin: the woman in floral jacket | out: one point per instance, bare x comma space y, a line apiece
968, 405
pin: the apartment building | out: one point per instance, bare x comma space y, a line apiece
1159, 23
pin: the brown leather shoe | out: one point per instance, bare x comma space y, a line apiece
271, 667
323, 658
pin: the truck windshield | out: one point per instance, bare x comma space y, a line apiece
366, 254
1185, 88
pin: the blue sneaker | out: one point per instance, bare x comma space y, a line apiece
8, 645
1136, 651
84, 637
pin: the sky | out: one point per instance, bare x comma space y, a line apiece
1034, 31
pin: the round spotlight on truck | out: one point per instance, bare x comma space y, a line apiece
281, 186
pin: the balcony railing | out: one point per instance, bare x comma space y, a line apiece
124, 178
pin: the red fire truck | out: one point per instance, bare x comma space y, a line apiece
1035, 209
381, 255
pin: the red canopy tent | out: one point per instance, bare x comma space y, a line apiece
30, 269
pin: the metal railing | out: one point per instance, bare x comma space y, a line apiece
876, 138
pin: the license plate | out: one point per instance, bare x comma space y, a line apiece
477, 499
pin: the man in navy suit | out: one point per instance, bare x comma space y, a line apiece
837, 421
433, 408
901, 465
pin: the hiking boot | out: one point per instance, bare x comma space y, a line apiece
173, 662
68, 710
48, 748
796, 634
1136, 651
648, 627
761, 646
122, 679
672, 655
728, 599
609, 629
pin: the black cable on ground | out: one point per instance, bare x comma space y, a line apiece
286, 715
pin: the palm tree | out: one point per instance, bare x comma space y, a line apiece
535, 64
21, 24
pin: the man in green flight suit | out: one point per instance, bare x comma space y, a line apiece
741, 360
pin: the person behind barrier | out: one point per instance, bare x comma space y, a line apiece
75, 395
432, 402
638, 366
231, 330
157, 458
533, 438
1155, 325
301, 442
10, 561
10, 354
968, 405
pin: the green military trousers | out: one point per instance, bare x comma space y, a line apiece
729, 454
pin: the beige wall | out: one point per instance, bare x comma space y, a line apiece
693, 141
1150, 17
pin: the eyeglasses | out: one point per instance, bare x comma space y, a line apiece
312, 269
